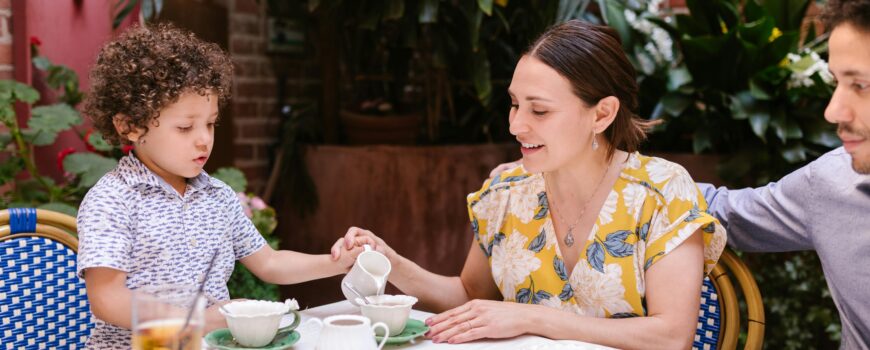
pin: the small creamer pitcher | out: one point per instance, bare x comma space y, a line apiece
349, 332
368, 275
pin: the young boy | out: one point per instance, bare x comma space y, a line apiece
157, 218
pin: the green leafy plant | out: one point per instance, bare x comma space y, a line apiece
736, 81
243, 283
27, 186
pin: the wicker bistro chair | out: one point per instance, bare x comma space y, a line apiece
43, 304
719, 316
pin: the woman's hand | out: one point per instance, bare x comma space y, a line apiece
357, 237
478, 319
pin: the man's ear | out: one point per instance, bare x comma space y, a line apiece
123, 128
605, 113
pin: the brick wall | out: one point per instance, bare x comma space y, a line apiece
255, 112
5, 39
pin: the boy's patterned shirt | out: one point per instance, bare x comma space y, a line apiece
135, 222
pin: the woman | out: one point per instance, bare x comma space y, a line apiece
587, 240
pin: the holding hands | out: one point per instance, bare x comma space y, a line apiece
353, 241
346, 249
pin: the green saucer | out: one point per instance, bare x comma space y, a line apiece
414, 328
222, 339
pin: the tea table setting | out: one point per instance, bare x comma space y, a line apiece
367, 320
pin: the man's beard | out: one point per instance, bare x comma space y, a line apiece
861, 166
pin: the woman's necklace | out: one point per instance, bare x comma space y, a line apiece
569, 237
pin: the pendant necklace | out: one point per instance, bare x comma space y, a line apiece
569, 237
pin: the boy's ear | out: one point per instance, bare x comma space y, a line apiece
122, 127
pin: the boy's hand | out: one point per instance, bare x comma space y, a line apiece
347, 257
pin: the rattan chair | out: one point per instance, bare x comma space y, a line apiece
719, 316
43, 304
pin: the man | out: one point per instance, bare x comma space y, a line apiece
825, 205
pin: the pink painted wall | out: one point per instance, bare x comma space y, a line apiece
72, 32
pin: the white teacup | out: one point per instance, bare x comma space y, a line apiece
254, 323
392, 310
368, 275
348, 332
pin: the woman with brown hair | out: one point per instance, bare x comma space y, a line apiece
587, 239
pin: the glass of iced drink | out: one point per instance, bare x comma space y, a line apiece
159, 316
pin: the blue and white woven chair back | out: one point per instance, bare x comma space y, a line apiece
43, 304
709, 318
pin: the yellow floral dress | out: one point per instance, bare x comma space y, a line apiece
653, 207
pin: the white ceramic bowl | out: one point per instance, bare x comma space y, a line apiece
254, 323
393, 310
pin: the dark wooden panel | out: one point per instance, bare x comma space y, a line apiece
413, 197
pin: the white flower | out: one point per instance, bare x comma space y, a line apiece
512, 263
646, 64
679, 184
634, 196
681, 187
550, 231
630, 17
599, 293
633, 162
558, 304
660, 170
804, 66
639, 257
664, 44
292, 303
524, 201
490, 209
653, 51
681, 236
660, 225
605, 216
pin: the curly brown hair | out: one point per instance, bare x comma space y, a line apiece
854, 12
147, 68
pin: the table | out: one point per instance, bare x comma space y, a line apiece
311, 330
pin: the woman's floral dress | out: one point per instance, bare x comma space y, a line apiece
653, 207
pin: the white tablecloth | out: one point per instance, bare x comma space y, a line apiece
310, 332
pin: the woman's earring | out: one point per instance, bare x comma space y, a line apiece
594, 142
142, 142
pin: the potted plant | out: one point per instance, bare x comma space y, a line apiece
730, 78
